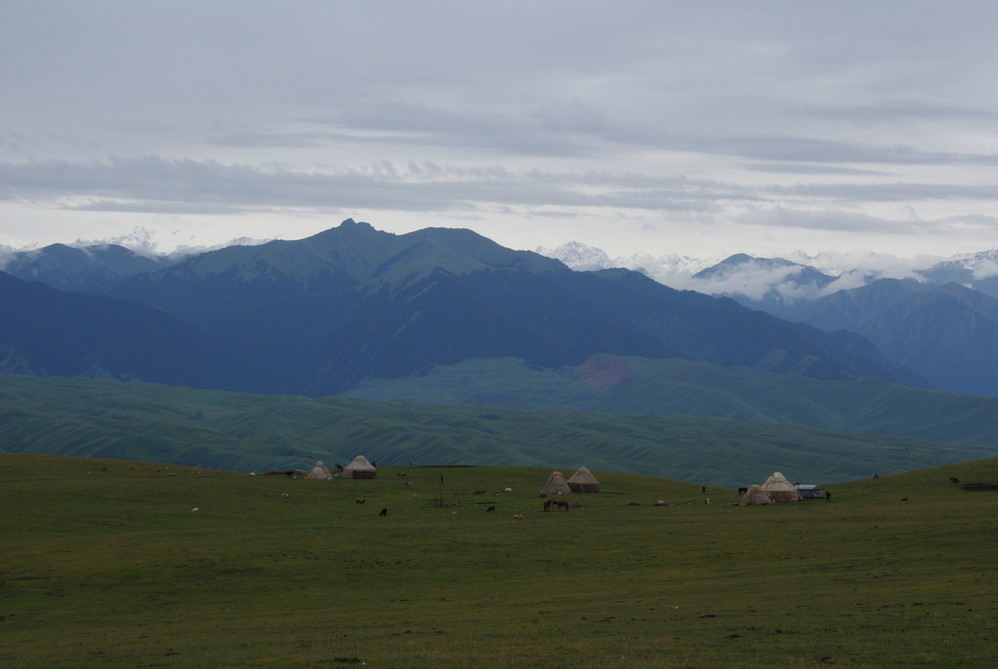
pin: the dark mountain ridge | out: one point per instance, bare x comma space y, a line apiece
947, 333
90, 269
48, 332
353, 303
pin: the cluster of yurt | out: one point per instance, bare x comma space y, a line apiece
582, 481
776, 489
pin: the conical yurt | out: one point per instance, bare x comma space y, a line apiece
360, 468
780, 489
556, 485
583, 481
319, 471
755, 496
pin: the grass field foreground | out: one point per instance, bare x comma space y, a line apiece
106, 563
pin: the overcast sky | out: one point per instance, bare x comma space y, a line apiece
699, 128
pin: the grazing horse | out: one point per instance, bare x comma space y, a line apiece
561, 505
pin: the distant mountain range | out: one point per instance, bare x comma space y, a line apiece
448, 316
320, 315
942, 322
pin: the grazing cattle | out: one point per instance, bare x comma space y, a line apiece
360, 501
285, 495
491, 509
401, 475
384, 512
742, 491
954, 480
547, 504
407, 484
518, 516
904, 499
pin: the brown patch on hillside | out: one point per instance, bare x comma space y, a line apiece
602, 373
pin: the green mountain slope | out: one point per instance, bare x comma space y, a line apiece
255, 433
614, 384
323, 314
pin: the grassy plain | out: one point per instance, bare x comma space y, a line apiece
105, 563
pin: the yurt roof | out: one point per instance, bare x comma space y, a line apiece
556, 483
319, 471
777, 482
360, 463
583, 475
754, 496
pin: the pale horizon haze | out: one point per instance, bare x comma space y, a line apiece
692, 128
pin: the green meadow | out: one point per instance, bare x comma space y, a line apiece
105, 563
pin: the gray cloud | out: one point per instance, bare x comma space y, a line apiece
150, 183
768, 115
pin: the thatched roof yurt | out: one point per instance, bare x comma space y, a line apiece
779, 488
556, 485
583, 481
360, 468
319, 471
755, 497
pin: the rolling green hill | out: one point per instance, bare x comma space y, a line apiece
244, 432
616, 384
107, 563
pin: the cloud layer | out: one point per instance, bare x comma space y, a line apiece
673, 127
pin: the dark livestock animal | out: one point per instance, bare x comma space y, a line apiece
547, 504
491, 509
360, 501
954, 480
561, 505
384, 512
